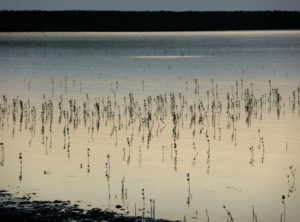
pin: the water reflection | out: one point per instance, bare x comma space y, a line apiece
180, 147
129, 121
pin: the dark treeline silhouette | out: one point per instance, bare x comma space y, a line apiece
146, 21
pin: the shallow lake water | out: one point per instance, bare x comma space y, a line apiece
171, 125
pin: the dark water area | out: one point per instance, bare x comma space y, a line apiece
218, 55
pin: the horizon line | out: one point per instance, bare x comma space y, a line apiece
86, 10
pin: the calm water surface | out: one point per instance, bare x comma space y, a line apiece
191, 120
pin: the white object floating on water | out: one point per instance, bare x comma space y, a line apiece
167, 57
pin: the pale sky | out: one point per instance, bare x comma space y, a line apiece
173, 5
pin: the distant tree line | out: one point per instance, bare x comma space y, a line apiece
147, 21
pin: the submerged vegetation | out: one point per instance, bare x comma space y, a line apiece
133, 122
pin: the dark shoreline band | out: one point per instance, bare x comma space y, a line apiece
147, 20
24, 209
